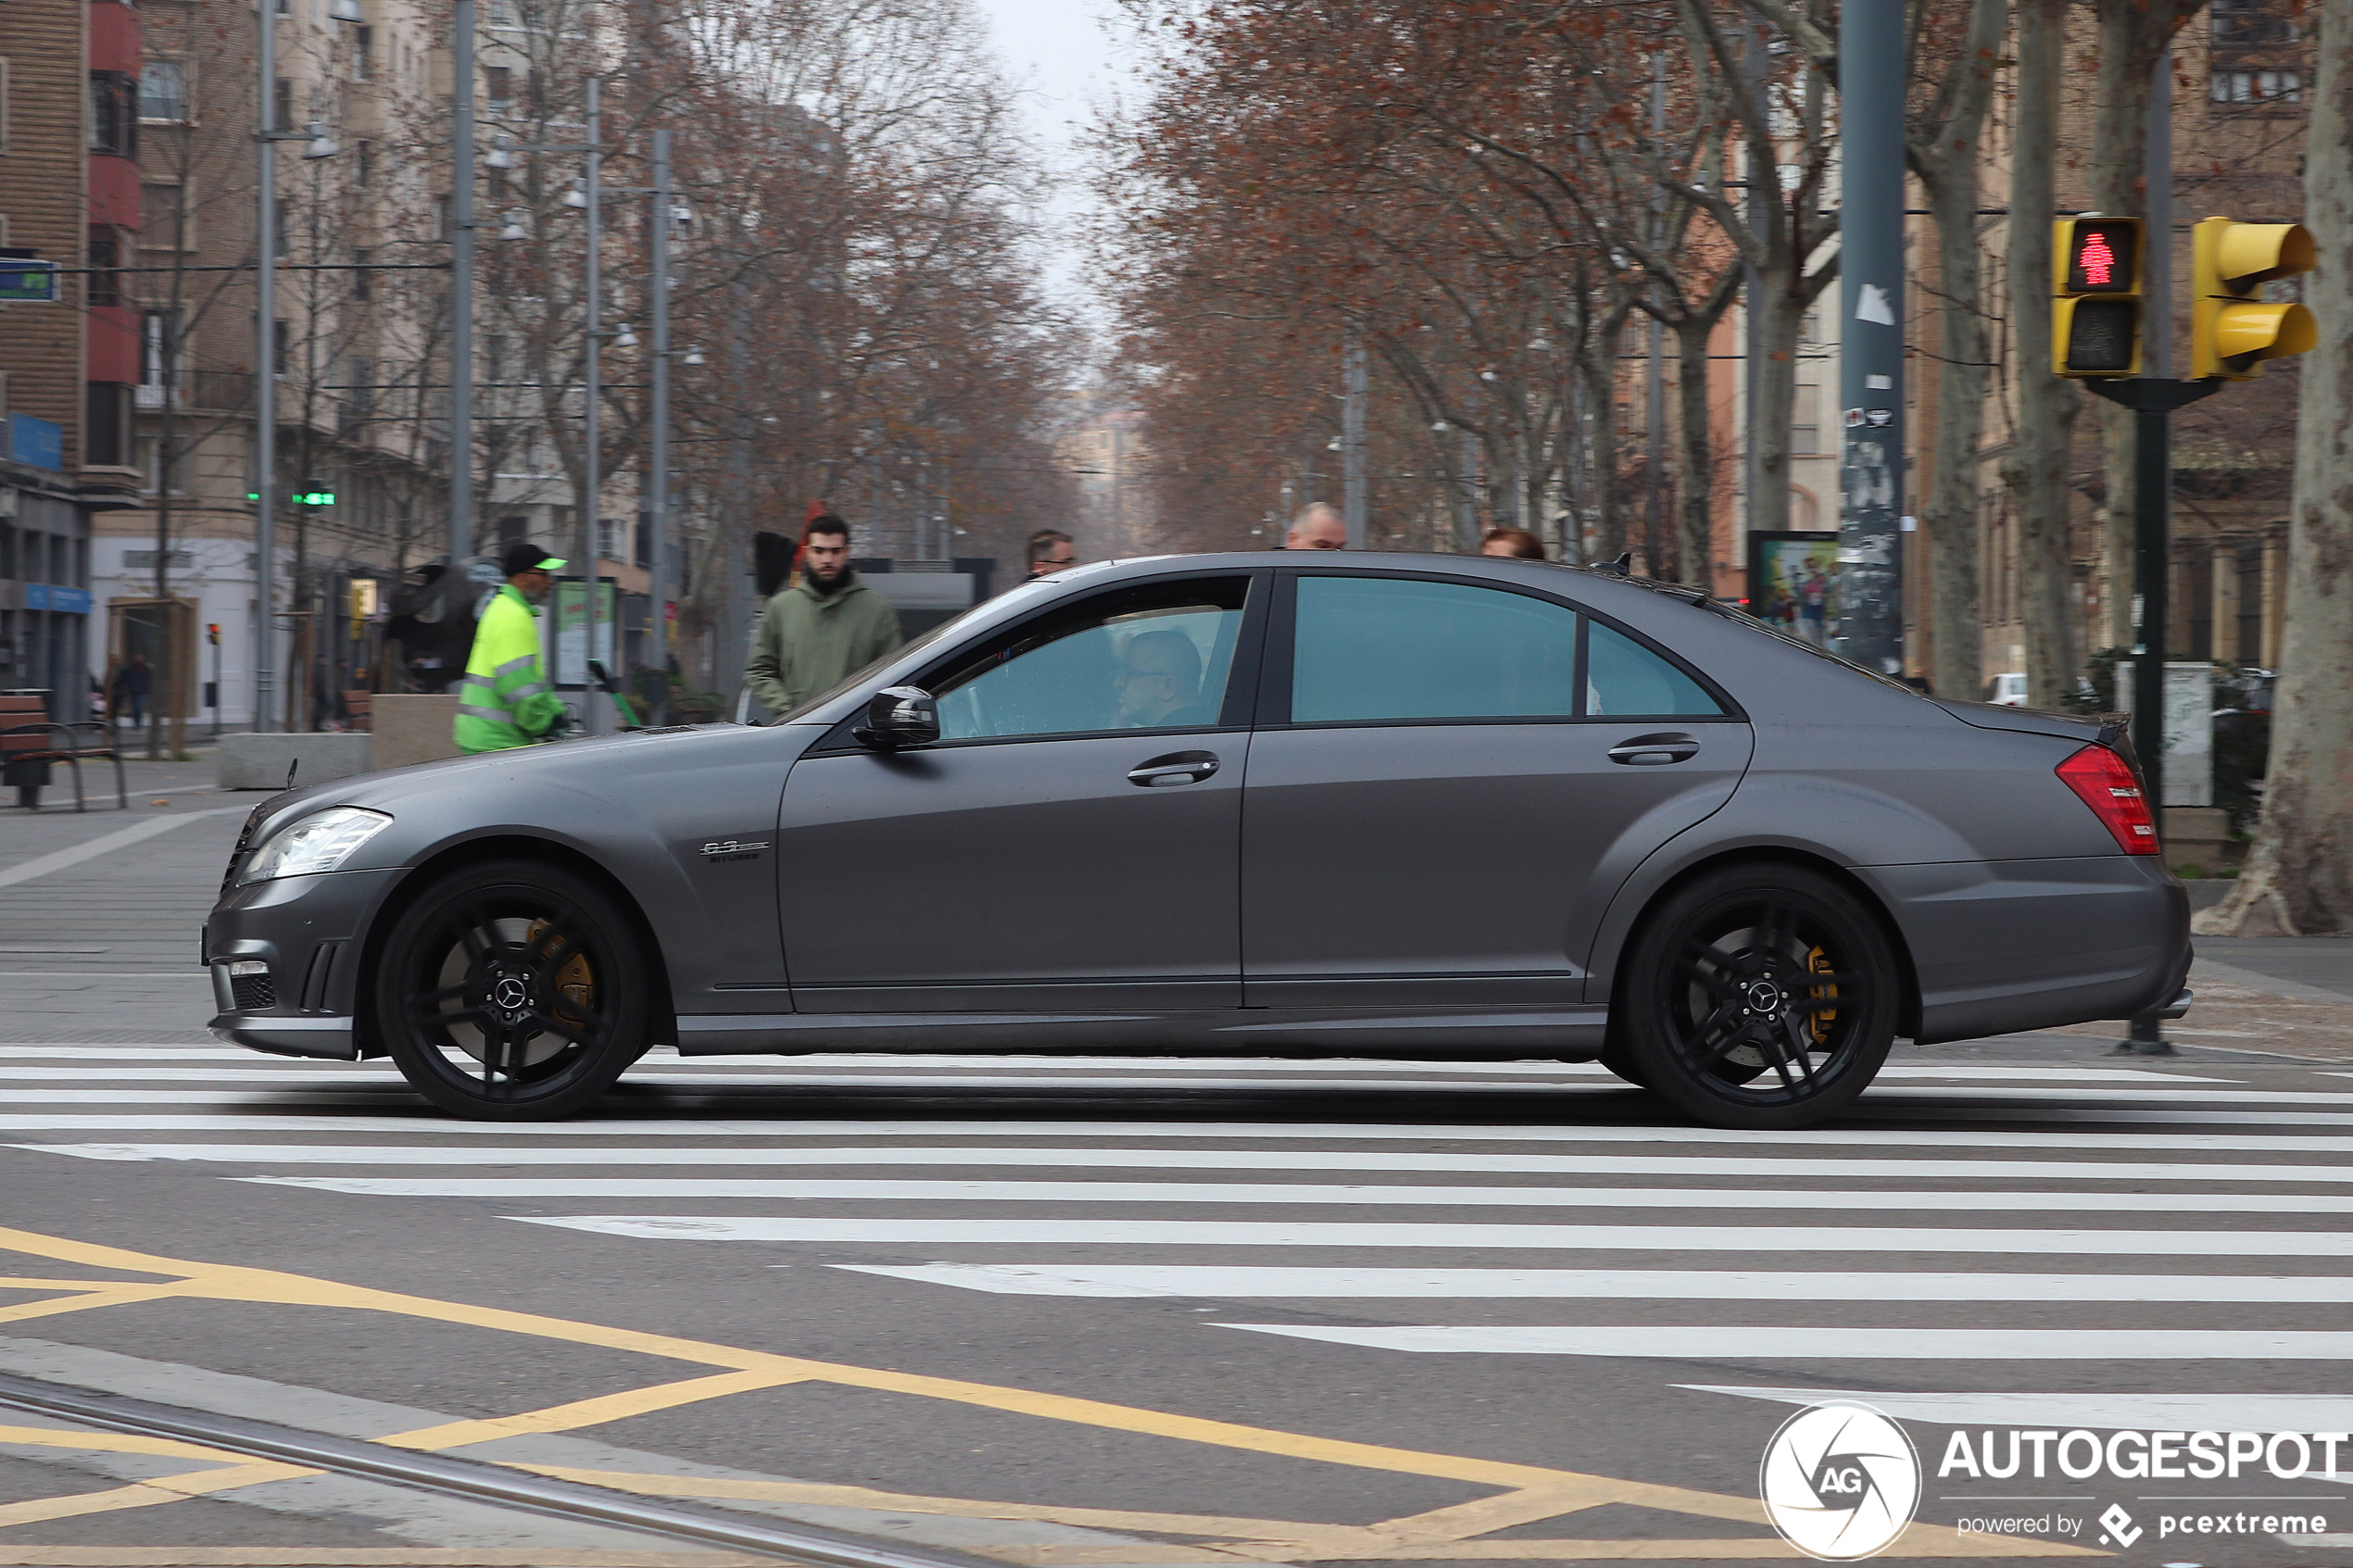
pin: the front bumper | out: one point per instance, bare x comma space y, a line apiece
296, 942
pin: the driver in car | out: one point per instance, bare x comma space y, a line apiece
1159, 683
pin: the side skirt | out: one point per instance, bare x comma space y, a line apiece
1496, 1034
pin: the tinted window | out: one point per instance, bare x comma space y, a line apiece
1625, 677
1156, 658
1370, 648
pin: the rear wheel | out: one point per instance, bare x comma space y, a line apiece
1758, 995
513, 991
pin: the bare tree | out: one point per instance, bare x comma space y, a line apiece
1945, 146
2035, 470
2299, 880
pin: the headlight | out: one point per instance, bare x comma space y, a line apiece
320, 842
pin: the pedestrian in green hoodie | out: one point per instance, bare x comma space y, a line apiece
821, 629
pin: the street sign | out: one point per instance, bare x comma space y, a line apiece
27, 282
2096, 307
2233, 330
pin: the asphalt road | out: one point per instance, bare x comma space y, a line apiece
1104, 1311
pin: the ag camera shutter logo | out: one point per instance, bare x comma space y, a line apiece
1840, 1482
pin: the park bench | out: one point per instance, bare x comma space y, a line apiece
31, 743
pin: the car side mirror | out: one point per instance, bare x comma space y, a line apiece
899, 717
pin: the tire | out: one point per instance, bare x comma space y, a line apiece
513, 991
1758, 997
1618, 1060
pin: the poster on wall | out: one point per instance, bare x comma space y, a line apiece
1790, 578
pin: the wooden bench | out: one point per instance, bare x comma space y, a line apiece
359, 710
29, 743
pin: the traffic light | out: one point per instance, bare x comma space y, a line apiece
2231, 330
2096, 307
212, 632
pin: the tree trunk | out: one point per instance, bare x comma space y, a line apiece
2299, 877
1694, 455
1947, 163
2036, 471
1781, 313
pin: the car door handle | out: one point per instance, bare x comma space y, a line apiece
1654, 751
1176, 768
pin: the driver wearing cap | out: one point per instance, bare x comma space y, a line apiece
505, 700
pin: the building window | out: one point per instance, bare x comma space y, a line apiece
363, 54
283, 100
608, 539
2241, 23
497, 90
358, 395
2256, 87
105, 255
281, 352
163, 90
366, 172
158, 364
114, 113
364, 276
106, 433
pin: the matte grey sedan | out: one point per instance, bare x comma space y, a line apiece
1418, 807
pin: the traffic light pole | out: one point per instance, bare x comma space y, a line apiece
2152, 403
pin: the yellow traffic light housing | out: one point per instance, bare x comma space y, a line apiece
2096, 305
2233, 330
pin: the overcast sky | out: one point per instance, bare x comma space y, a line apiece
1062, 55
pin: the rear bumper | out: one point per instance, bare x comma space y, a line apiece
2006, 946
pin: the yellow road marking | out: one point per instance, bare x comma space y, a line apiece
101, 1296
1571, 1490
111, 1443
588, 1412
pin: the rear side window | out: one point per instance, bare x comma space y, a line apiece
1368, 650
1373, 648
1623, 678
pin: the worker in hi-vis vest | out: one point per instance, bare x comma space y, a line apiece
505, 700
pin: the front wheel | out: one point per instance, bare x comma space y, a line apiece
511, 992
1759, 996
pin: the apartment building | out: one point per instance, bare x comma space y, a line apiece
68, 198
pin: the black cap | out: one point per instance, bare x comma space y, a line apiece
523, 557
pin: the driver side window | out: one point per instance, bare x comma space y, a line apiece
1154, 657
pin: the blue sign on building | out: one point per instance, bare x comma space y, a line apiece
64, 601
41, 443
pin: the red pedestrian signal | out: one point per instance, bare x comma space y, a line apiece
2098, 335
212, 632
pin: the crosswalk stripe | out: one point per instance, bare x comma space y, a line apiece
1775, 1341
280, 1114
1460, 1238
313, 1091
664, 1190
1782, 1167
1228, 1282
669, 1062
1046, 1076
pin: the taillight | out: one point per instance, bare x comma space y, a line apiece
2106, 783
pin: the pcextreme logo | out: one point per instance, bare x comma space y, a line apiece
1840, 1481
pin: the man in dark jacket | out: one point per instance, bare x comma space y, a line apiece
821, 629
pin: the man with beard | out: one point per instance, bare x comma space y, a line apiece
821, 629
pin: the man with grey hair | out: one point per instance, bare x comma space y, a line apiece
1317, 527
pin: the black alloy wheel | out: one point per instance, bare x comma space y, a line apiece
511, 992
1758, 995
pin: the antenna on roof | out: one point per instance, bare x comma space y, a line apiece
1622, 566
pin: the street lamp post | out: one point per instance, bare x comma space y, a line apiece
658, 474
265, 388
461, 284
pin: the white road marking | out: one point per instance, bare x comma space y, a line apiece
106, 844
364, 1089
1779, 1168
1883, 1240
1307, 1284
671, 1189
2098, 1412
1777, 1342
279, 1115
